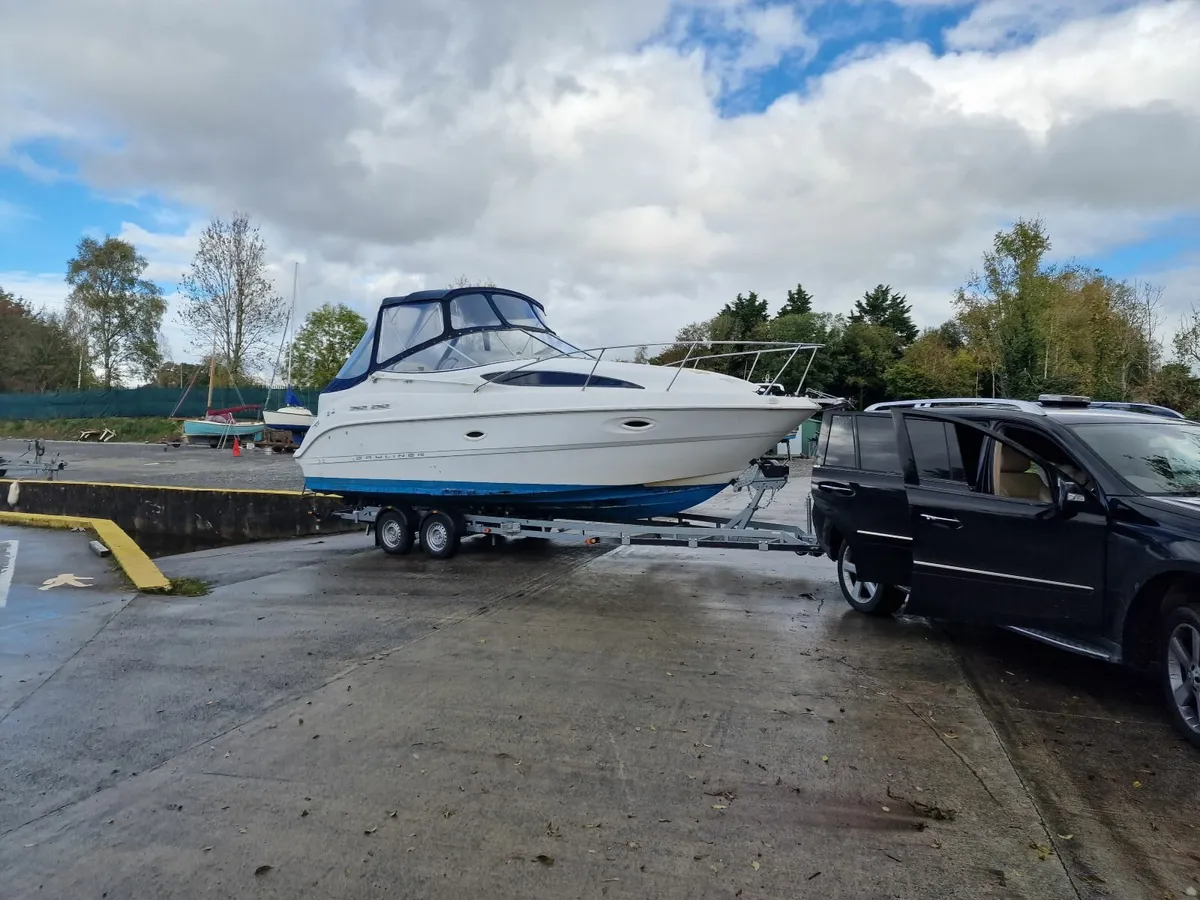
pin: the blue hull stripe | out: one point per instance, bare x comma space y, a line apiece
634, 501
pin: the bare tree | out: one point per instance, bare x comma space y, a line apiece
233, 302
1187, 339
463, 281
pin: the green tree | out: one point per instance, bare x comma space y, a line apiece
741, 320
121, 311
863, 354
324, 343
886, 308
805, 328
798, 303
232, 301
1176, 387
932, 367
40, 352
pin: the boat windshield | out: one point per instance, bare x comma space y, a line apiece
458, 332
481, 348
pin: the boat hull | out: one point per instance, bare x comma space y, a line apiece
215, 430
601, 463
296, 420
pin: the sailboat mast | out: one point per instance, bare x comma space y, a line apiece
212, 373
292, 323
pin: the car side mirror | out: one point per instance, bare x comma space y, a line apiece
1069, 497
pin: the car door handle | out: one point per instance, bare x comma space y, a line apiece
941, 521
834, 488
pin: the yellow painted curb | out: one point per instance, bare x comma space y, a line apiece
133, 560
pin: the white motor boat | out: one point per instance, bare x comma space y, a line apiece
294, 418
466, 400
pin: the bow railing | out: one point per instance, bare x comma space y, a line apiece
758, 349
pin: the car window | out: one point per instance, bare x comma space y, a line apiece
877, 450
1155, 457
1016, 475
839, 450
936, 451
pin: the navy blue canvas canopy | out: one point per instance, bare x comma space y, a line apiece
411, 326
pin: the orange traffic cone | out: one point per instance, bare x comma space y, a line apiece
237, 446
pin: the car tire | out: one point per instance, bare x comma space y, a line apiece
1179, 660
866, 596
394, 531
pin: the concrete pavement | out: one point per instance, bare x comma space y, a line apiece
532, 720
655, 723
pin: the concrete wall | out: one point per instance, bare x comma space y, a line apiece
208, 516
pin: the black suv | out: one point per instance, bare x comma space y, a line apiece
1072, 524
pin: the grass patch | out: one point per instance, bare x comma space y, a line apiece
148, 430
187, 587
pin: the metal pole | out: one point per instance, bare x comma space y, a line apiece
593, 372
683, 363
779, 374
806, 368
753, 365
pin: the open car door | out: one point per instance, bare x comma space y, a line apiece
1009, 550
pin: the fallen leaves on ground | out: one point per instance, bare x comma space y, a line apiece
544, 859
263, 870
1043, 852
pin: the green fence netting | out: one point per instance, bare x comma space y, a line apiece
137, 403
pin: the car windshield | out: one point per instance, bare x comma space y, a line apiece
1156, 458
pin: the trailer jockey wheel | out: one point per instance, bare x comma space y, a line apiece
440, 535
394, 531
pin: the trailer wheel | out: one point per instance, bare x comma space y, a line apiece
394, 532
440, 535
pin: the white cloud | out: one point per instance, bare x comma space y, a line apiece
570, 151
994, 24
43, 291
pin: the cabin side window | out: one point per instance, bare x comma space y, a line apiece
407, 325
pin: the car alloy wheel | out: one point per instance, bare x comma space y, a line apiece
861, 591
1183, 673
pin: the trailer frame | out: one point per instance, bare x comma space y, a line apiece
439, 527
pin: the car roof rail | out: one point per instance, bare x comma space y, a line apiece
1064, 400
935, 402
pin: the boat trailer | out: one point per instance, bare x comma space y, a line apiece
24, 467
439, 529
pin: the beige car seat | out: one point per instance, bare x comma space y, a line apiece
1012, 478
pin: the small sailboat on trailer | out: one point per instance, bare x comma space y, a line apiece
293, 416
218, 427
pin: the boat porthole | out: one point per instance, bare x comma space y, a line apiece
474, 435
637, 424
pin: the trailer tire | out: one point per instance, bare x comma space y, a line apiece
394, 531
440, 535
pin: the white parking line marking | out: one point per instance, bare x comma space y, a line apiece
6, 569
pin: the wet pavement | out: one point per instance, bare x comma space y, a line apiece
534, 720
43, 625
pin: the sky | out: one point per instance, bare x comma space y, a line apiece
634, 164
